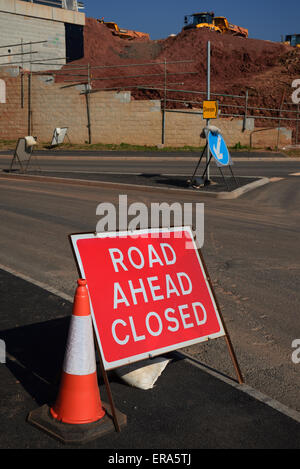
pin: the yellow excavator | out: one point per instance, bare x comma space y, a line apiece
208, 20
292, 40
123, 33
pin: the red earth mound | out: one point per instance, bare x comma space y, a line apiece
265, 68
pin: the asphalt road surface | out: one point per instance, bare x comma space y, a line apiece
257, 165
251, 248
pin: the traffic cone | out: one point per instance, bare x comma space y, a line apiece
78, 415
78, 400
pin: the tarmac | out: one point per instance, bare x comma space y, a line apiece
222, 187
190, 408
115, 154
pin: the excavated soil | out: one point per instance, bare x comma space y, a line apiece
265, 68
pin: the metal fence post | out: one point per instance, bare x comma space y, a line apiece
279, 128
29, 123
208, 120
87, 98
297, 124
164, 105
246, 111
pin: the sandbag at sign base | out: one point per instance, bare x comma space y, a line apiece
144, 374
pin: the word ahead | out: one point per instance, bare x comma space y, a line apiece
149, 294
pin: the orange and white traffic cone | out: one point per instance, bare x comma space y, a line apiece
78, 415
78, 400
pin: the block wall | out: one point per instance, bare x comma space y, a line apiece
114, 117
15, 29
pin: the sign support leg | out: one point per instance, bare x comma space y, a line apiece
16, 158
224, 179
235, 180
227, 337
198, 164
207, 168
233, 356
108, 390
28, 161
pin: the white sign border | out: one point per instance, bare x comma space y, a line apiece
132, 359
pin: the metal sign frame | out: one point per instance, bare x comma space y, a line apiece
74, 238
22, 155
225, 333
59, 135
160, 349
204, 178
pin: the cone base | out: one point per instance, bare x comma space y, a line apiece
78, 400
79, 433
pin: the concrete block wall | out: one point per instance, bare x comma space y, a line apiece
115, 118
23, 22
115, 121
15, 29
13, 118
53, 107
184, 129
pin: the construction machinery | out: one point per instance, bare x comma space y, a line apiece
292, 40
208, 20
201, 20
123, 33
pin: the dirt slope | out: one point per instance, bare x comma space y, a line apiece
266, 68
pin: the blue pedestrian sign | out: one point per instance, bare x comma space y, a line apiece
218, 149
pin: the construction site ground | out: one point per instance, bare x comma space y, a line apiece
265, 68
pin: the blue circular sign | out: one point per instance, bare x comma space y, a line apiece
218, 149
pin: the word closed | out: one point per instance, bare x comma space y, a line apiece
149, 294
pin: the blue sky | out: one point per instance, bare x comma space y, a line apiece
265, 19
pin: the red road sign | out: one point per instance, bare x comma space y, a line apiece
149, 294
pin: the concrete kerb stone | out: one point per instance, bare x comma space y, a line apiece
246, 188
139, 187
244, 388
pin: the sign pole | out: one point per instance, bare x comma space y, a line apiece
227, 337
207, 179
108, 390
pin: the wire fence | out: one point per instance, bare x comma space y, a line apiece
173, 95
70, 77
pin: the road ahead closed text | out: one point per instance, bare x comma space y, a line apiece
148, 294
